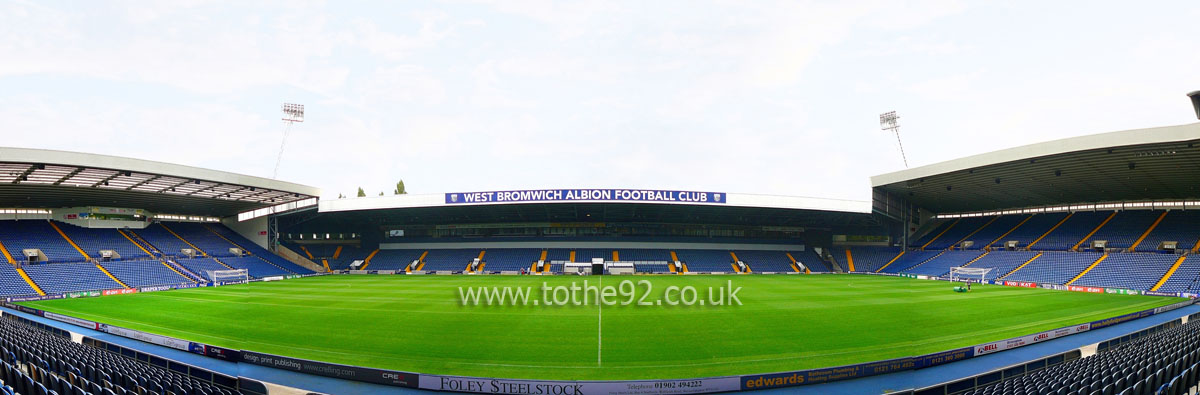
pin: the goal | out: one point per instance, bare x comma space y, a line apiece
977, 274
229, 276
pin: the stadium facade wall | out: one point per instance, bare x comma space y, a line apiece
617, 245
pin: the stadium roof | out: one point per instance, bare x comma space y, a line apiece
1134, 165
35, 178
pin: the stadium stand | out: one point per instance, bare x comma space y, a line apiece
1165, 362
162, 240
1129, 271
201, 266
1002, 262
766, 261
40, 361
1033, 229
706, 260
389, 260
144, 273
963, 228
645, 254
11, 283
993, 230
1179, 226
1185, 278
870, 259
200, 236
18, 236
254, 249
940, 265
257, 268
93, 240
937, 230
587, 254
558, 254
1054, 267
449, 260
1071, 231
56, 278
1124, 228
810, 259
510, 259
908, 260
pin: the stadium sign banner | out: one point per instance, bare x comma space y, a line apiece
817, 376
1023, 284
122, 291
1077, 288
587, 195
151, 338
71, 320
34, 298
1164, 309
506, 386
943, 357
346, 372
1121, 318
1015, 342
1156, 293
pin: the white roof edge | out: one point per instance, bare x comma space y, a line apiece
734, 200
69, 158
1163, 134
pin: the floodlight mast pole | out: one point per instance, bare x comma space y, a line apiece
890, 121
292, 113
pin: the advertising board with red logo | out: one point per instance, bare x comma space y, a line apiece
1015, 342
125, 291
1076, 288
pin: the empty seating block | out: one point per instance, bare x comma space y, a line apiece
144, 273
1130, 271
1124, 228
1032, 229
510, 259
56, 278
644, 254
870, 259
909, 259
1072, 231
1162, 361
1178, 226
65, 367
254, 266
203, 238
1055, 267
766, 261
965, 227
940, 266
392, 260
256, 250
706, 260
11, 283
201, 266
993, 231
926, 238
93, 241
585, 255
449, 260
1185, 277
810, 259
164, 241
29, 234
1003, 262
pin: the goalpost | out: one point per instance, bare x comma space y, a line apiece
229, 276
976, 274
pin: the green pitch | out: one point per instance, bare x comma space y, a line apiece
418, 324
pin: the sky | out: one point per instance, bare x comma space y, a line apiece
760, 97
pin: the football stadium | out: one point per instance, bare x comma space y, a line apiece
1066, 266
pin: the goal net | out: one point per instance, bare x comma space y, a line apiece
977, 274
229, 276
